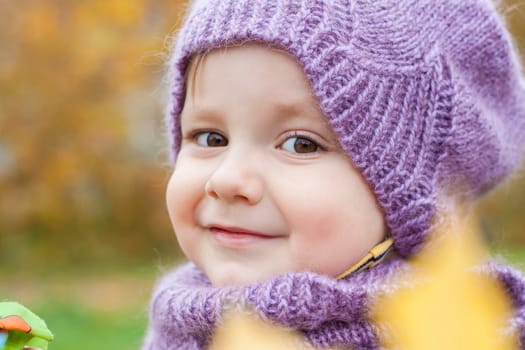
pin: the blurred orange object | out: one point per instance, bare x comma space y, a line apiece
14, 323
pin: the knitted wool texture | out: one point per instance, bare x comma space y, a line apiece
423, 95
186, 309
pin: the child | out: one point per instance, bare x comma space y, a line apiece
310, 133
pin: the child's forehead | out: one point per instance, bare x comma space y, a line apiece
253, 54
272, 71
216, 89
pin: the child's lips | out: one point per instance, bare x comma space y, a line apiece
236, 237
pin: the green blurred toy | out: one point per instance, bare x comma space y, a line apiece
20, 328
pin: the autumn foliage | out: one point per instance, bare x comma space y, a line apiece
81, 163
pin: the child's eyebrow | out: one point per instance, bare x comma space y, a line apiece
303, 105
304, 108
200, 113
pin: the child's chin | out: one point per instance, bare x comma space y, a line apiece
230, 281
227, 278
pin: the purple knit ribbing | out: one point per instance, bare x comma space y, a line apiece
186, 308
423, 95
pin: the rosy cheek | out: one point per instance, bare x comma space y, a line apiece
182, 194
312, 226
173, 196
181, 198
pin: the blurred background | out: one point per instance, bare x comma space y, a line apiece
83, 165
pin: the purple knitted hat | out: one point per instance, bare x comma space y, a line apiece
422, 94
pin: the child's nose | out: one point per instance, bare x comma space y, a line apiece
236, 178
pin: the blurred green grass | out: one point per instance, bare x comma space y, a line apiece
76, 327
95, 309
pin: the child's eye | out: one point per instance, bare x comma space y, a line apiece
210, 139
298, 144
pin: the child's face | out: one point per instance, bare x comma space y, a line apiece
261, 185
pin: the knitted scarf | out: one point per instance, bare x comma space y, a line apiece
186, 308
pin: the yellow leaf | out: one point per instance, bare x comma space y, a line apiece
450, 307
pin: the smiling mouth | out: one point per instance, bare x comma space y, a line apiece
238, 238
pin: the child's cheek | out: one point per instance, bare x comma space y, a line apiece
312, 232
184, 192
179, 204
